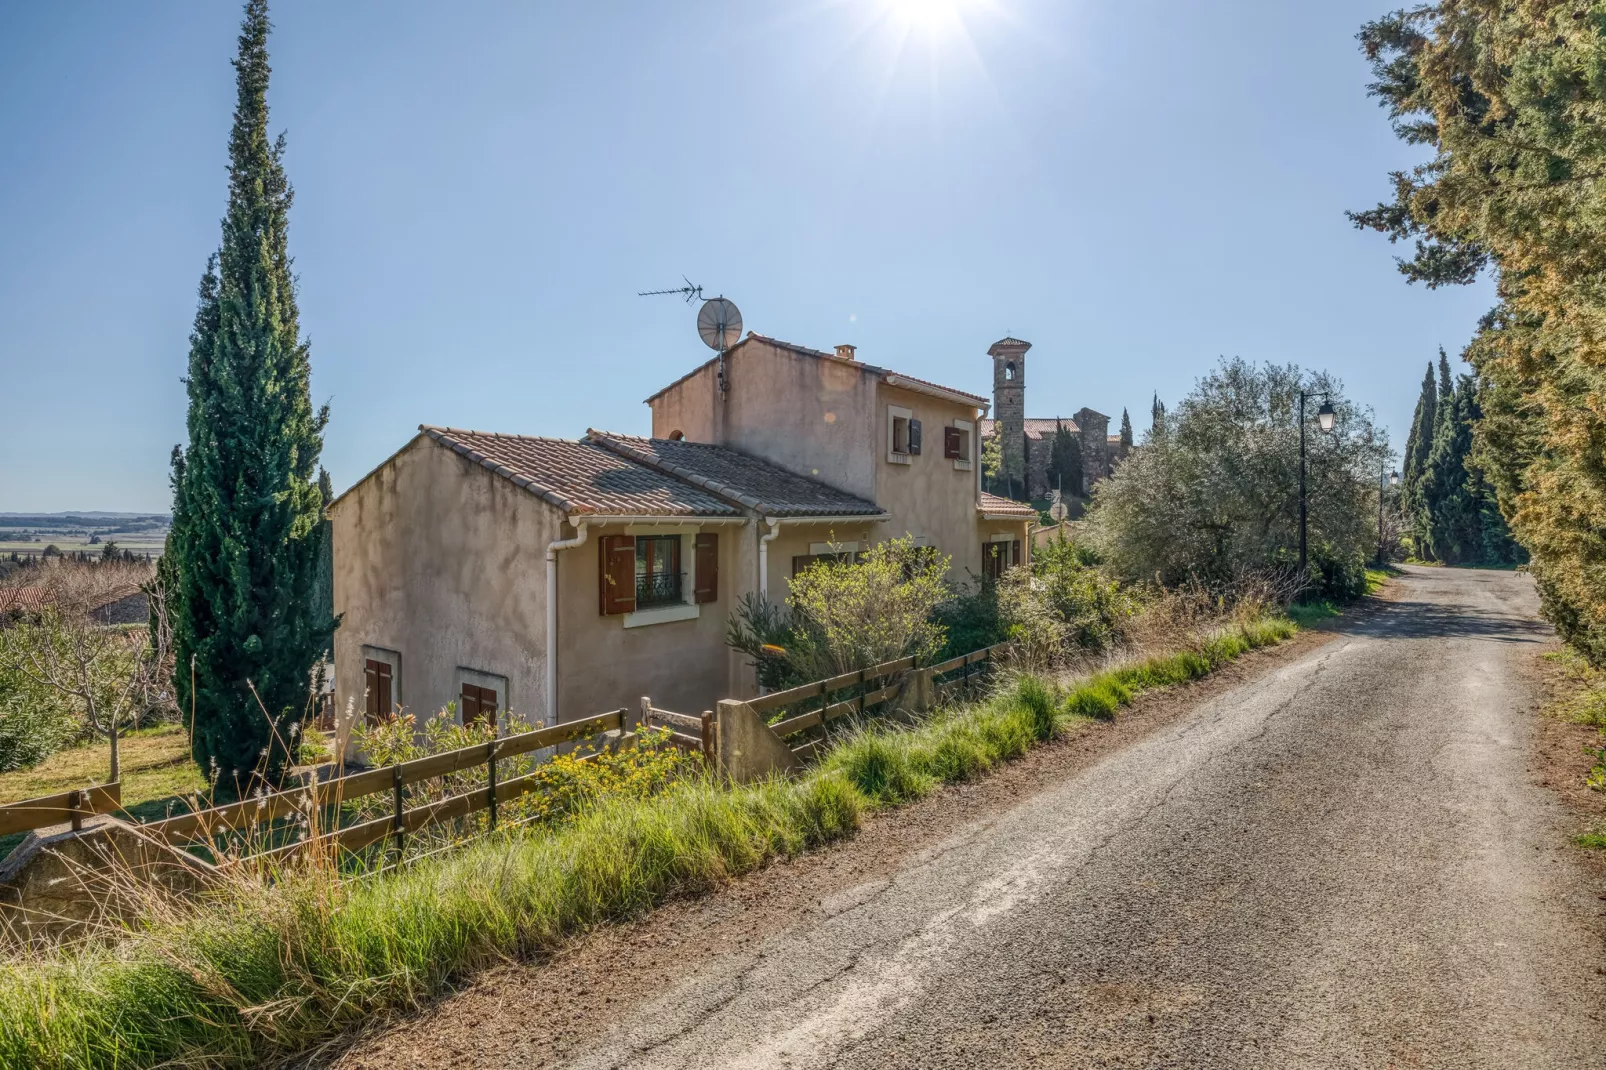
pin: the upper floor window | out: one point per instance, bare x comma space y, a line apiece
1009, 370
903, 435
956, 443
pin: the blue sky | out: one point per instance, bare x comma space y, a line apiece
1136, 187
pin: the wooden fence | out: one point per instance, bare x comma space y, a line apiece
249, 815
865, 691
68, 807
789, 713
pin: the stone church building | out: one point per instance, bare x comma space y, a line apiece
1027, 442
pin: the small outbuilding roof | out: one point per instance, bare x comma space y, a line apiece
993, 505
581, 477
737, 476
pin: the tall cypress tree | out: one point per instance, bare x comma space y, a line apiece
1417, 448
246, 537
1126, 430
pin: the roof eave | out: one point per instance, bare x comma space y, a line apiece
932, 390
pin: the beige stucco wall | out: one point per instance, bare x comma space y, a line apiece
682, 665
929, 498
444, 562
811, 416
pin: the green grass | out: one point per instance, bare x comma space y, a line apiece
265, 971
157, 774
1595, 841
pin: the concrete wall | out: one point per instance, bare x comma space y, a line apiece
811, 416
442, 561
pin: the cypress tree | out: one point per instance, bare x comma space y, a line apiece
246, 537
1126, 430
1065, 460
1417, 448
1157, 416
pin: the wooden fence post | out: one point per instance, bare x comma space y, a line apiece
490, 775
396, 822
75, 804
710, 747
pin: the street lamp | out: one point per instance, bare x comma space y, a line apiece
1325, 418
1393, 481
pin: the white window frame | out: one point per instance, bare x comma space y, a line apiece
964, 462
894, 414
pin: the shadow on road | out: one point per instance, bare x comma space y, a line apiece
1413, 619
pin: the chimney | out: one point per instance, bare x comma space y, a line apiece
845, 351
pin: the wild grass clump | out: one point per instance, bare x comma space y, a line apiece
270, 970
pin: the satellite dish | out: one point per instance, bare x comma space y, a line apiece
719, 322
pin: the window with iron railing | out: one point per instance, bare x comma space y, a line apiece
659, 581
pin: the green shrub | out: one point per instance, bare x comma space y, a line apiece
34, 722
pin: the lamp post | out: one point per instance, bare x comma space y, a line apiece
1392, 480
1326, 417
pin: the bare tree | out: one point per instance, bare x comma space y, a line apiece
113, 674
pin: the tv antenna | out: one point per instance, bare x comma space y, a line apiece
719, 323
690, 291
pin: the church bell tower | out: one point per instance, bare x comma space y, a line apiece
1009, 409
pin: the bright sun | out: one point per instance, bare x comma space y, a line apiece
925, 14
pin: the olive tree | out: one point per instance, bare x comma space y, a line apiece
1213, 491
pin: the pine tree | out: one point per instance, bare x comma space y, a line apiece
246, 537
1446, 386
1126, 430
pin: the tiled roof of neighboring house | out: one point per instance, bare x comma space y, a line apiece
581, 477
891, 377
1034, 428
993, 505
738, 477
24, 598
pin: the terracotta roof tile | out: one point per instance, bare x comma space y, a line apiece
738, 477
581, 477
992, 503
1035, 428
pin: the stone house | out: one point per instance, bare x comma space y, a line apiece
1026, 443
562, 578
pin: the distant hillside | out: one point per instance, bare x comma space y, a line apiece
90, 519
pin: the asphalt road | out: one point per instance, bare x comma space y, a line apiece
1342, 863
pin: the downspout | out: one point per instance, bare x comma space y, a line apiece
552, 615
764, 556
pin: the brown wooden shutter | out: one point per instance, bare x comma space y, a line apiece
377, 678
914, 436
707, 565
617, 574
950, 443
478, 702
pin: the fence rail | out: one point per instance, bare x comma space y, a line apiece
67, 807
875, 685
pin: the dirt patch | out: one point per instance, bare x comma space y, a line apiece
1564, 752
540, 1013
